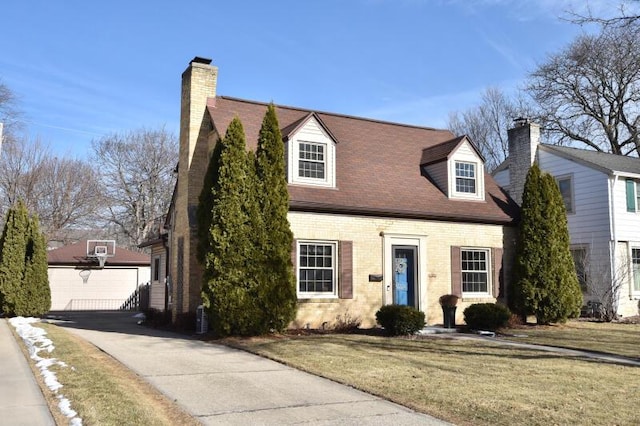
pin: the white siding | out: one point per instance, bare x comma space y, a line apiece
627, 223
157, 288
438, 173
590, 222
105, 289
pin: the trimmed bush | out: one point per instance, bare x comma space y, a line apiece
399, 320
487, 316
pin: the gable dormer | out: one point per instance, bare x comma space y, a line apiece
457, 168
311, 153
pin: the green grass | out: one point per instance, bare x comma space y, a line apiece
468, 382
101, 390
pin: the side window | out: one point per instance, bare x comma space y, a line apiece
156, 268
565, 184
580, 260
635, 267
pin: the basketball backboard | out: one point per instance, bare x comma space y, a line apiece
100, 250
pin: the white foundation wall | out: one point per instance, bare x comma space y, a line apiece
368, 235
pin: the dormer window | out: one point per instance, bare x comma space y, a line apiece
465, 177
311, 154
457, 168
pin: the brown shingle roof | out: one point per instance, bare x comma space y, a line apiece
377, 167
76, 254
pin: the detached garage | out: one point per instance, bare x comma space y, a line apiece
78, 282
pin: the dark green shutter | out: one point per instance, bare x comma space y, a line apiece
631, 196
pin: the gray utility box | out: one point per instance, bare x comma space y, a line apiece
202, 322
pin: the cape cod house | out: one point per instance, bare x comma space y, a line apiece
383, 212
601, 192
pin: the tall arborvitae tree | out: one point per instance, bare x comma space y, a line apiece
13, 245
205, 205
563, 298
545, 282
277, 282
228, 285
36, 277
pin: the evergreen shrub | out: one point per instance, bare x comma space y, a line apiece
400, 320
487, 316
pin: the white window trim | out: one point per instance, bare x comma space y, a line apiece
571, 189
635, 294
159, 271
334, 262
479, 178
293, 156
477, 295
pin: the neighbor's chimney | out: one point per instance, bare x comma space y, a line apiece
524, 138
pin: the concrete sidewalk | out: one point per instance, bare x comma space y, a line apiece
220, 385
21, 401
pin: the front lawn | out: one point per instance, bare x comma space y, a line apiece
472, 382
610, 338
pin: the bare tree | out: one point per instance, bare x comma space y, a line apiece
21, 164
137, 179
63, 192
70, 196
9, 114
589, 92
604, 284
627, 15
487, 124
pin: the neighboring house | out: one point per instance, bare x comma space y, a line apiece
78, 283
602, 196
159, 297
381, 212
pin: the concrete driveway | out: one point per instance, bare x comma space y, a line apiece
220, 385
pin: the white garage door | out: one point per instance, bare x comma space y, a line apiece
105, 289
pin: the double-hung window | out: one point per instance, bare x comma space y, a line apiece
475, 272
312, 160
317, 269
635, 264
465, 177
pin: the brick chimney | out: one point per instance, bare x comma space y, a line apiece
199, 82
524, 138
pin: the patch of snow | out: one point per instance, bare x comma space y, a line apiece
36, 341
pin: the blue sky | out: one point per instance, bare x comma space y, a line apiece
83, 69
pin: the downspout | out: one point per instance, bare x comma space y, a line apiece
612, 225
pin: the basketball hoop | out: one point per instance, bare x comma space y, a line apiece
100, 249
102, 258
84, 274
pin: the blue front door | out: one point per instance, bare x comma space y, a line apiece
404, 275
